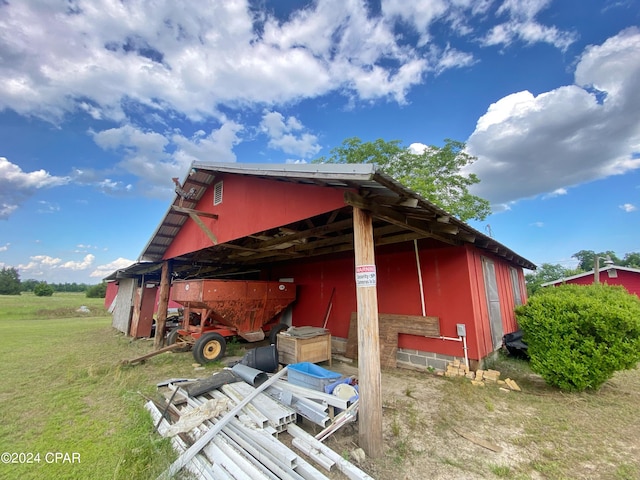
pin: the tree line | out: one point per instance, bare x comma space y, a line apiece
548, 272
10, 284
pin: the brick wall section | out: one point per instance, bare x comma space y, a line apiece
417, 359
406, 358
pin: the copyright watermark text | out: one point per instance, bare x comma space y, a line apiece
37, 457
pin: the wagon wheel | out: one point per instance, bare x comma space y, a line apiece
209, 347
173, 337
273, 334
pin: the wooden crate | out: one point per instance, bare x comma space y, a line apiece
296, 350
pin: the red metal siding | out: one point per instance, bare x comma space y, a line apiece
112, 291
446, 283
629, 280
481, 343
447, 286
251, 205
315, 281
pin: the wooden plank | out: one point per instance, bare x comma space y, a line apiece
151, 354
479, 441
351, 350
191, 211
123, 308
390, 326
370, 377
163, 304
204, 228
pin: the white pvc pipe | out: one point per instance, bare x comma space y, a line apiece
464, 347
424, 308
457, 339
453, 339
194, 449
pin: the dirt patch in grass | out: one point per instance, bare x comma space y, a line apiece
542, 432
70, 312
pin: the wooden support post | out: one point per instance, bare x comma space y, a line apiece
163, 304
369, 382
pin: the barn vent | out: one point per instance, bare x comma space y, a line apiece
217, 193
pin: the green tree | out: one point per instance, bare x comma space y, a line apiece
578, 336
42, 289
547, 272
97, 291
586, 258
631, 260
9, 281
28, 285
434, 173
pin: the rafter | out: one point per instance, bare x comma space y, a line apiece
391, 216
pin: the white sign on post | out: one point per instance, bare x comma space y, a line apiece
365, 276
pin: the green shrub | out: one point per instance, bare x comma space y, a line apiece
97, 291
580, 335
43, 289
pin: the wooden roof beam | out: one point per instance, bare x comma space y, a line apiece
311, 232
195, 216
191, 211
390, 216
204, 185
467, 237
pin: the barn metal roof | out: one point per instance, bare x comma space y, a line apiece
399, 215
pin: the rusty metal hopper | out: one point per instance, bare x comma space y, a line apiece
245, 306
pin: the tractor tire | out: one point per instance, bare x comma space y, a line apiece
209, 348
273, 334
173, 337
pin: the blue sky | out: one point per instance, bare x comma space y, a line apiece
102, 102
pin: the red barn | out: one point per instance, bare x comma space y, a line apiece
628, 277
296, 222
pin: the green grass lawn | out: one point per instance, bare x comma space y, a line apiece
64, 390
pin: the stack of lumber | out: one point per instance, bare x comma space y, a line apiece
236, 431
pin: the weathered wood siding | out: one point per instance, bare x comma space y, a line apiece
124, 305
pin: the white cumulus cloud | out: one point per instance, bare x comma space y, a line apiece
83, 264
105, 57
104, 270
16, 186
628, 207
155, 158
289, 135
529, 145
